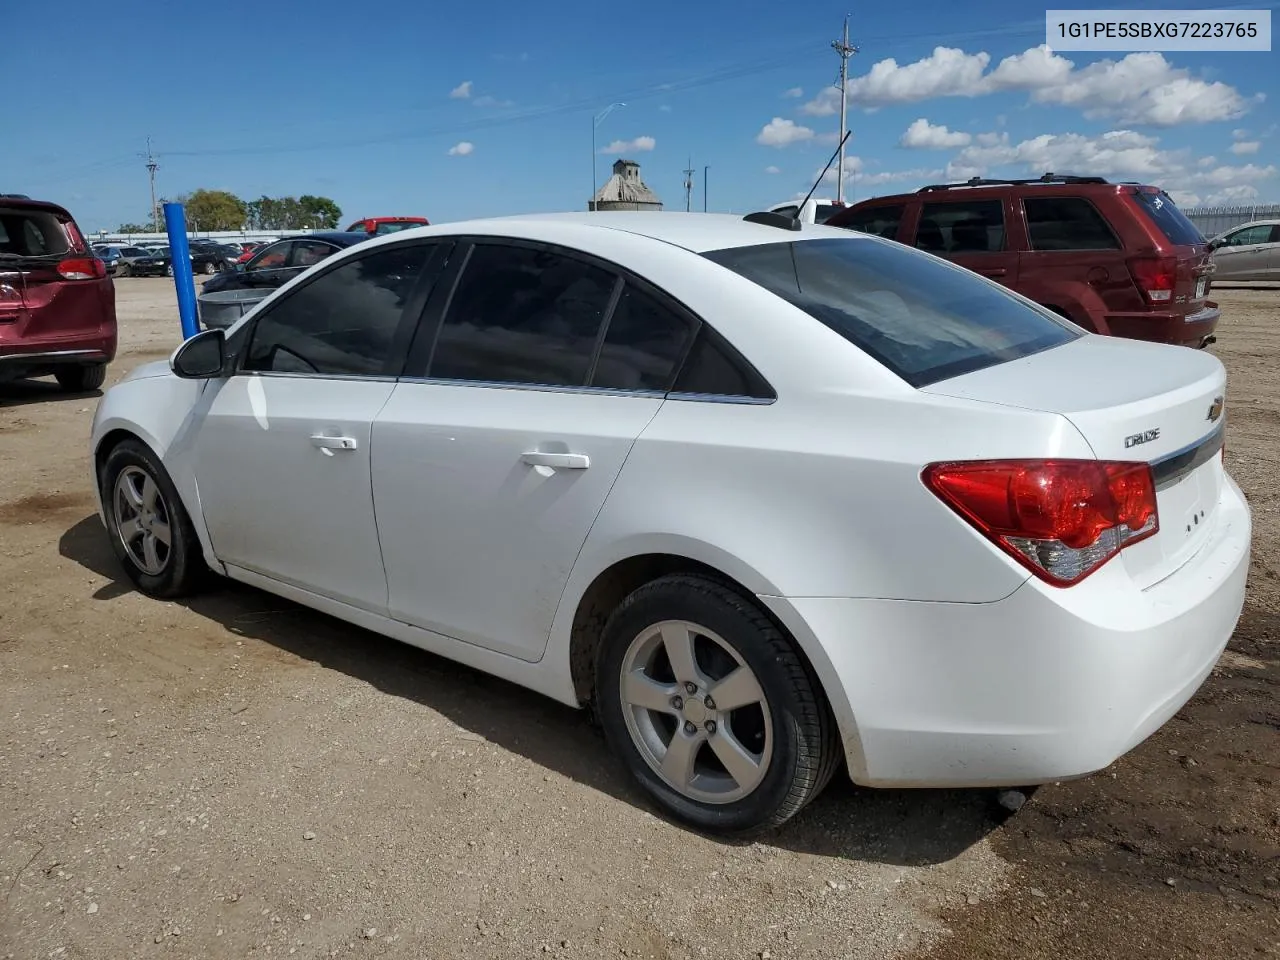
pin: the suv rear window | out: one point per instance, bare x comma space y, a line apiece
1166, 215
31, 233
923, 318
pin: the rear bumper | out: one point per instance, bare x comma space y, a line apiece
1189, 330
1047, 684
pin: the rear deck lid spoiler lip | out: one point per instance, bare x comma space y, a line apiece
1172, 467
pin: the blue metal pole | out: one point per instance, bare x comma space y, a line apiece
175, 223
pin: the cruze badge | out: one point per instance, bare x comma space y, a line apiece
1215, 409
1145, 437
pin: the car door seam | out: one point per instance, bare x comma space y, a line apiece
373, 502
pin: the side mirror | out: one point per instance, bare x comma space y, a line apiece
203, 357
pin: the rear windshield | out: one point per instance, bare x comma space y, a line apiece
31, 233
923, 318
825, 211
398, 225
1172, 222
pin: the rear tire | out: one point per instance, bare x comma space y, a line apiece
209, 268
773, 729
158, 548
124, 270
81, 379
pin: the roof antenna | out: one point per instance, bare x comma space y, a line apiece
839, 147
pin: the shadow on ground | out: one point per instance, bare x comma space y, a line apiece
17, 393
902, 827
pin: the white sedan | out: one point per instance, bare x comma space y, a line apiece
772, 500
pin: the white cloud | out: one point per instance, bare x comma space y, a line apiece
923, 135
1240, 193
1239, 133
794, 93
462, 149
488, 101
772, 169
638, 145
462, 91
780, 132
1140, 88
1242, 147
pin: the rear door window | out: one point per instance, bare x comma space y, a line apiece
1066, 223
961, 226
1173, 223
881, 221
923, 319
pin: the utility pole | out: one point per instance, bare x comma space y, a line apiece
152, 167
845, 50
688, 186
595, 122
704, 188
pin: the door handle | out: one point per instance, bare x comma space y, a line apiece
564, 461
329, 444
997, 272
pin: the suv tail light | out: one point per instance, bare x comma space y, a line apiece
1061, 519
1155, 277
82, 268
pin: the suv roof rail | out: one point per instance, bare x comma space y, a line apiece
981, 182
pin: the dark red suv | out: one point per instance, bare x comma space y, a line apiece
57, 304
1115, 258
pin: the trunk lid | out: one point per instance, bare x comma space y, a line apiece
1131, 401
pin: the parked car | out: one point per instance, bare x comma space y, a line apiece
57, 301
119, 258
1248, 252
277, 263
377, 226
1115, 258
814, 210
775, 502
250, 249
157, 263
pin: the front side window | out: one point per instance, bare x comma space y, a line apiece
961, 226
1248, 236
1066, 223
522, 315
271, 258
342, 323
922, 319
880, 221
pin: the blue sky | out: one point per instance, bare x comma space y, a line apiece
354, 101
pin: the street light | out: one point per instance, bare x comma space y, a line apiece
595, 122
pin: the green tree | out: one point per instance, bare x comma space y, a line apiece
323, 211
215, 210
133, 228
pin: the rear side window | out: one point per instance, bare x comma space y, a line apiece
1067, 223
716, 369
1164, 213
962, 226
643, 345
924, 320
522, 315
881, 221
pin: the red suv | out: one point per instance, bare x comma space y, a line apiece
1115, 258
57, 304
377, 226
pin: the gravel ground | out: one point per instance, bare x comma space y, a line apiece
236, 776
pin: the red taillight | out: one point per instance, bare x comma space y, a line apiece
82, 268
1062, 519
1155, 277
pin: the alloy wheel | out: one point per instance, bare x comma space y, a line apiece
142, 520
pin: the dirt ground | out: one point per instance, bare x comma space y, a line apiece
235, 776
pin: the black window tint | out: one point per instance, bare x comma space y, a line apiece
1066, 223
522, 315
789, 211
1248, 236
923, 319
965, 226
714, 368
881, 221
1165, 214
342, 323
825, 211
643, 345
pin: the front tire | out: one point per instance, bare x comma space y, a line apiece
81, 379
150, 530
209, 268
711, 708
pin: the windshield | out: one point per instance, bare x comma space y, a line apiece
397, 226
1172, 222
923, 318
825, 211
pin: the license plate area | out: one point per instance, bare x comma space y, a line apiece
1202, 287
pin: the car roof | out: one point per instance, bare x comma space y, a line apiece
343, 238
15, 202
696, 232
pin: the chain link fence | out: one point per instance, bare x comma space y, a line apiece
1215, 220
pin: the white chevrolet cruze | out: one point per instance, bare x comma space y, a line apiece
771, 500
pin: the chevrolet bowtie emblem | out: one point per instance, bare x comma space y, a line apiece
1215, 409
